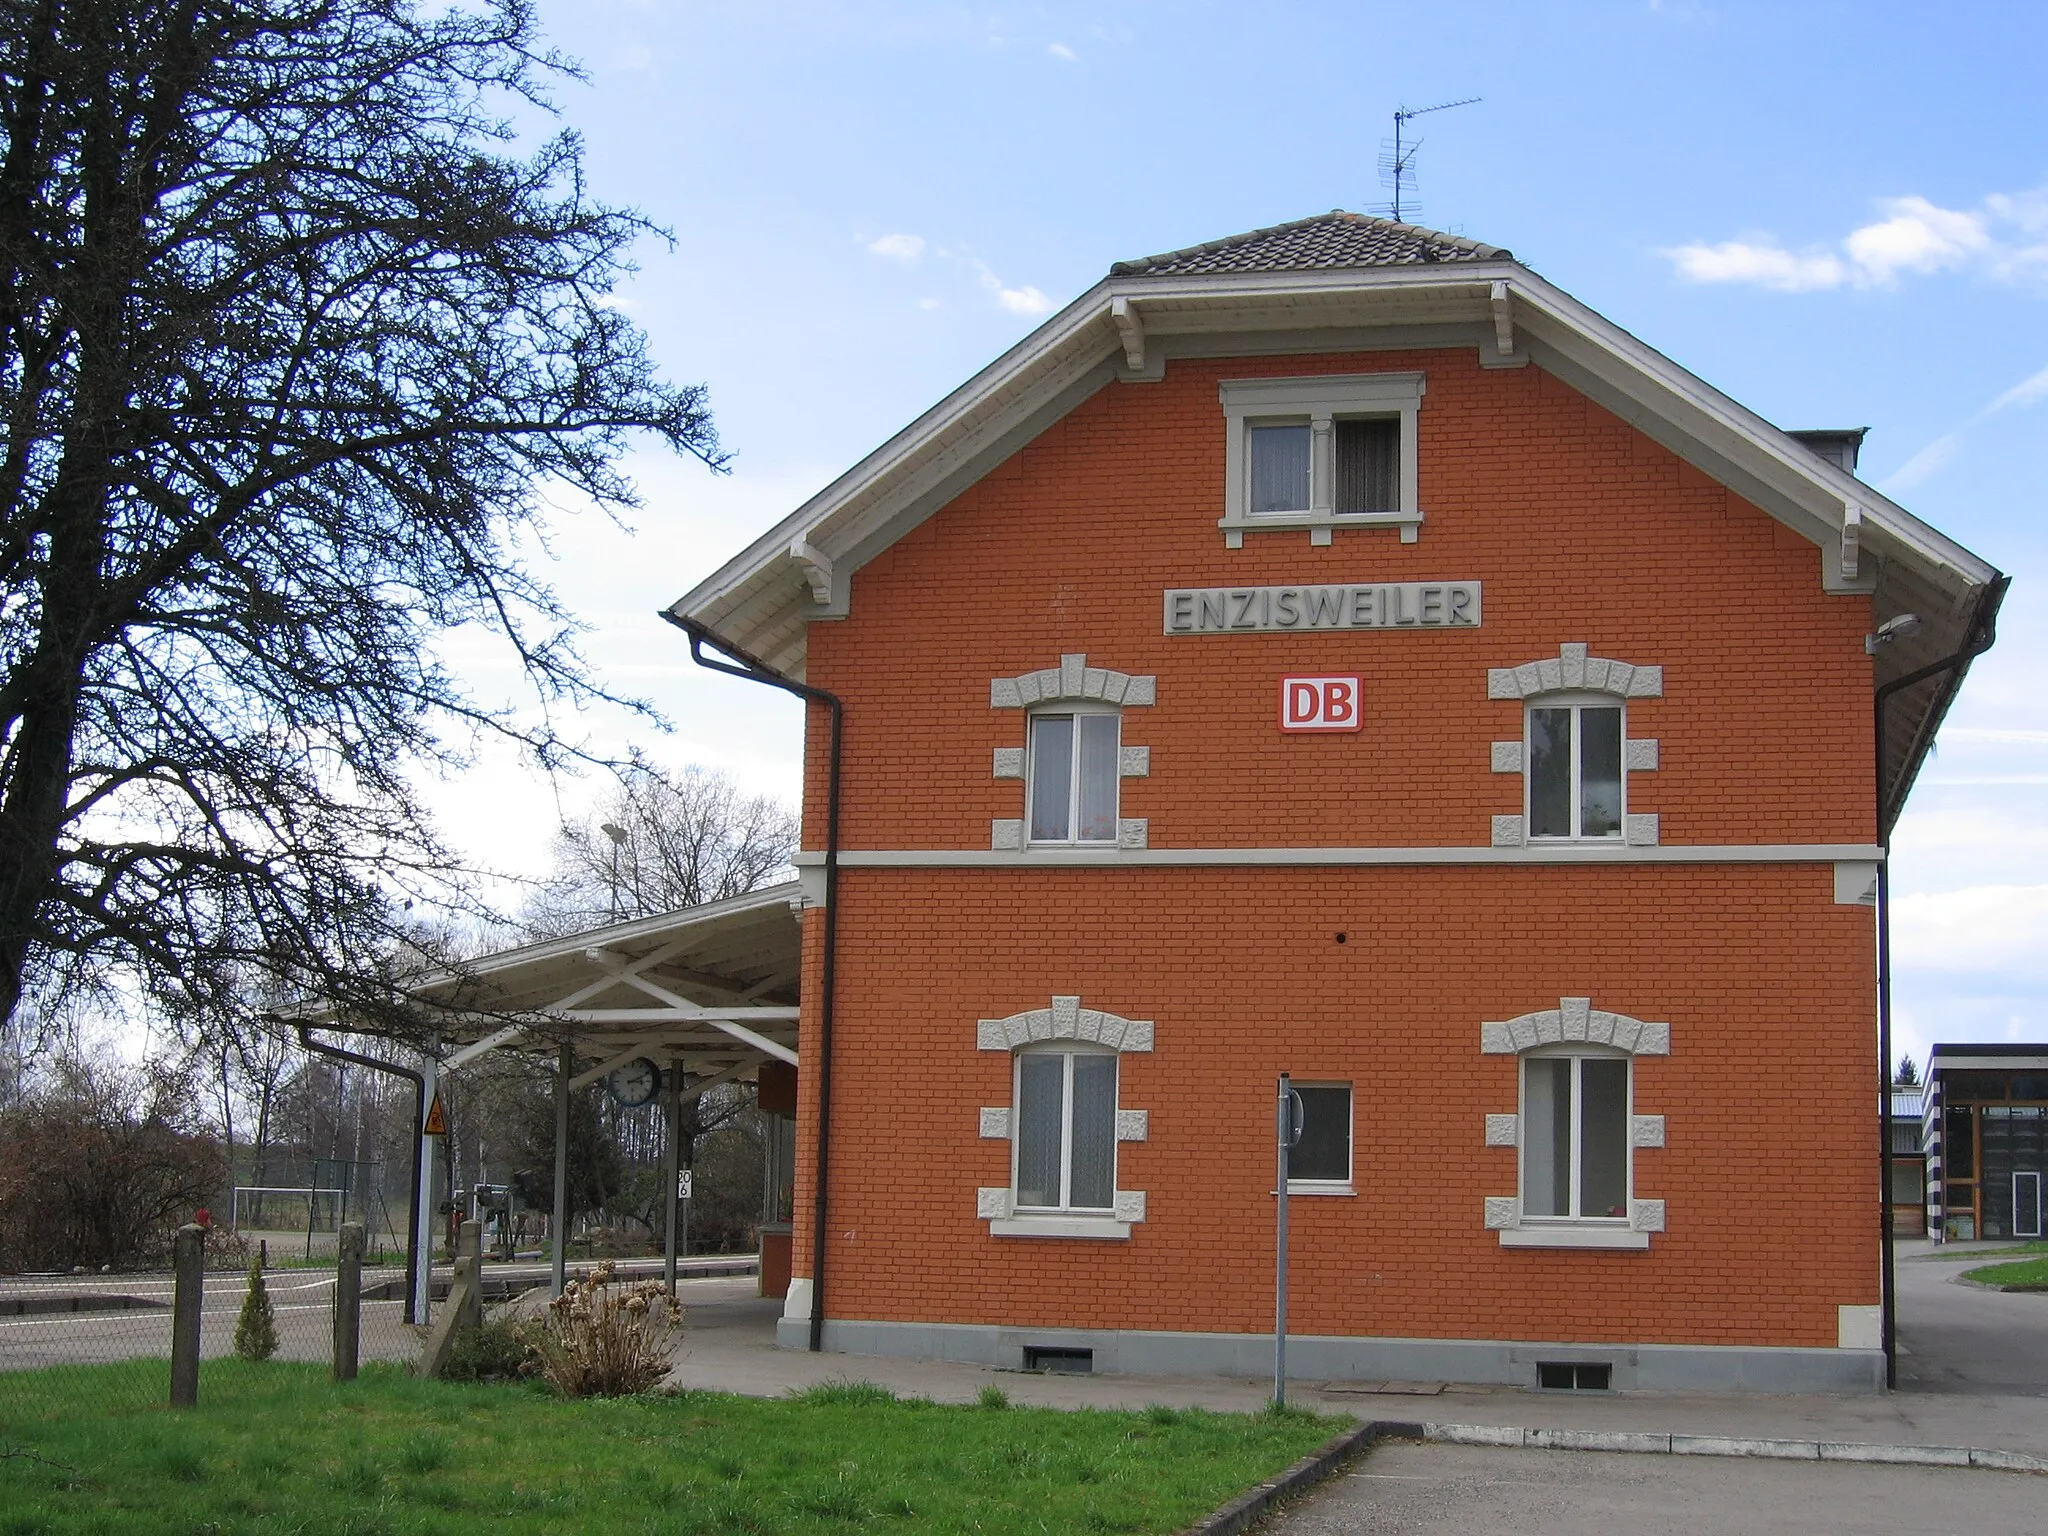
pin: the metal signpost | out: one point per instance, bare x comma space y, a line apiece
423, 1197
1287, 1124
669, 1156
684, 1180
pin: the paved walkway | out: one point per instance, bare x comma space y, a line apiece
1456, 1488
1974, 1372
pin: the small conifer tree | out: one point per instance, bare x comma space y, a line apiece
256, 1328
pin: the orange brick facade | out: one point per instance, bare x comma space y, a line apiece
1581, 529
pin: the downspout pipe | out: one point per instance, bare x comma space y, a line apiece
1983, 632
755, 670
419, 1118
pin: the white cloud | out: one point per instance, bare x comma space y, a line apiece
1917, 237
1994, 733
1062, 51
1980, 930
1768, 266
2027, 392
1913, 236
1930, 460
1026, 300
1924, 465
1023, 301
898, 247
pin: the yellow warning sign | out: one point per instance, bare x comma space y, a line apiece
437, 1119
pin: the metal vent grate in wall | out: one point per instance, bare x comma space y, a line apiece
1572, 1376
1046, 1357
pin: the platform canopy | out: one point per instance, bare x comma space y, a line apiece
712, 987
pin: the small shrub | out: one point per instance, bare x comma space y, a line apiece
359, 1476
602, 1340
844, 1393
497, 1351
423, 1454
993, 1397
256, 1328
182, 1464
1288, 1413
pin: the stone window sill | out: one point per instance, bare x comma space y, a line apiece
1296, 1191
1574, 1237
1318, 524
1060, 1226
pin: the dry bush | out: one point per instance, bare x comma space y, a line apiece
100, 1165
602, 1339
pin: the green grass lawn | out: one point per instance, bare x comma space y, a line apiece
280, 1448
2024, 1272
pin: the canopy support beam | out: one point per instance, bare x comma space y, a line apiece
483, 1047
561, 1212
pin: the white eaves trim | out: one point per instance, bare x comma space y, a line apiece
762, 600
1780, 462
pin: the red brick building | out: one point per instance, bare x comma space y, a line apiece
1336, 651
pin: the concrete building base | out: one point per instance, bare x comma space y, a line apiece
1632, 1367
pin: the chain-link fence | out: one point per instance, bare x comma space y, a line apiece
108, 1337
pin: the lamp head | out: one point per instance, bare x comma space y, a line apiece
1891, 629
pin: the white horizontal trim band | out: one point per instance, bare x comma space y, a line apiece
1665, 853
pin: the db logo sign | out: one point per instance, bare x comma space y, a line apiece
1319, 704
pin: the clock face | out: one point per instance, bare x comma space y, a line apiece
636, 1083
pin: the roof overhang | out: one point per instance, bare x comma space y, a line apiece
712, 986
1127, 328
1990, 1058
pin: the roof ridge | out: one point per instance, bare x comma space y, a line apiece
1423, 237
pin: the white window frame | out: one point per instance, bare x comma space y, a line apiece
1576, 1053
1076, 710
1068, 1051
1575, 702
1317, 402
1343, 1186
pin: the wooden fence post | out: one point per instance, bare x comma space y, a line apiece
190, 1265
465, 1308
348, 1300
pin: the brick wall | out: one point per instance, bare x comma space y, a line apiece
1580, 527
1765, 1095
1581, 530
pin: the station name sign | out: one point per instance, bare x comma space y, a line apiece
1290, 610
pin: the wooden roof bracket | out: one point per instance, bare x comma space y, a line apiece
1130, 329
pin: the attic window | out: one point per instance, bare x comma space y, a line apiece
1320, 453
1365, 463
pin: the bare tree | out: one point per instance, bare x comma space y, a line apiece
249, 1068
659, 842
290, 339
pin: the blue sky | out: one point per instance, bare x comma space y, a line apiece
1836, 213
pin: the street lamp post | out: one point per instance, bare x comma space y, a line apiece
618, 836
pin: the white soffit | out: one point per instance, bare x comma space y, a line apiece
720, 950
761, 601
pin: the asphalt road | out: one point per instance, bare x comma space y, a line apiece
1430, 1488
1962, 1338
